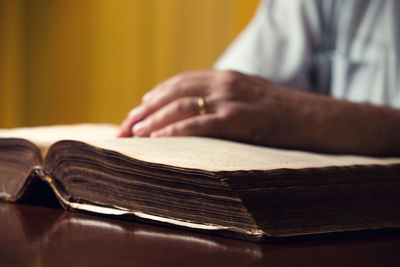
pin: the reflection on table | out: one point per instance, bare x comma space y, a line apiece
44, 236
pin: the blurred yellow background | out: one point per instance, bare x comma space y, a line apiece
91, 61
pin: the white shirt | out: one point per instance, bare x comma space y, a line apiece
349, 49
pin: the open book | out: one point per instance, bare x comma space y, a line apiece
203, 184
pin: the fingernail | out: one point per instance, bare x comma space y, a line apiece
138, 128
156, 134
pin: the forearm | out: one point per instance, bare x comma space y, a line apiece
325, 124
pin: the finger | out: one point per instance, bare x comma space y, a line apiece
125, 127
124, 130
195, 76
186, 84
183, 85
133, 116
178, 110
167, 96
205, 125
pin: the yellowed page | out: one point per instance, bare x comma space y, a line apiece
188, 152
218, 155
45, 136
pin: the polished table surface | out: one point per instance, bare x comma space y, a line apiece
46, 236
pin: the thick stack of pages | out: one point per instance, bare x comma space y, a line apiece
201, 183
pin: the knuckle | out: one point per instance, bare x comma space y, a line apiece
181, 105
171, 130
225, 115
194, 124
146, 109
228, 113
182, 76
176, 87
192, 127
130, 114
228, 78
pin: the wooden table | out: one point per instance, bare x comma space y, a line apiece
44, 236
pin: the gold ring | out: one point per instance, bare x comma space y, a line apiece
202, 106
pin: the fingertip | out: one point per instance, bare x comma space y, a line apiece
122, 133
124, 129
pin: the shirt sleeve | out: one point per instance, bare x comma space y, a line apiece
277, 43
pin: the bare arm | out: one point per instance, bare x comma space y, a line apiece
250, 109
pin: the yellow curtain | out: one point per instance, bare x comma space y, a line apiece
91, 61
11, 106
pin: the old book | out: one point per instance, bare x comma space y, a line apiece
202, 184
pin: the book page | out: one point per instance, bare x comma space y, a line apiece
45, 136
188, 152
219, 155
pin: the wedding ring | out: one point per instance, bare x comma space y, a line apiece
202, 105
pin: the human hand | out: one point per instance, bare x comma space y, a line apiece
238, 107
250, 109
